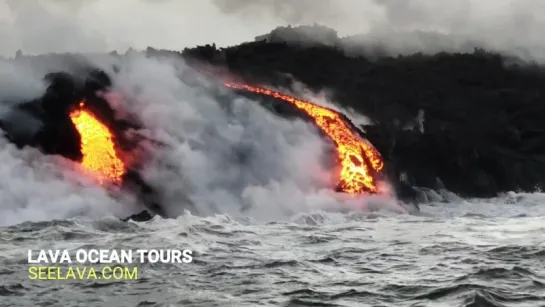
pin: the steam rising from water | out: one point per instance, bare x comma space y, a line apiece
229, 156
34, 187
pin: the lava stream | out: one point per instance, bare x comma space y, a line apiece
97, 146
356, 155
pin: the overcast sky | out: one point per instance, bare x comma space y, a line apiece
38, 26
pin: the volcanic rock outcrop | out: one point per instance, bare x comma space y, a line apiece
471, 123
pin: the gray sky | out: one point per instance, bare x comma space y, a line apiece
38, 26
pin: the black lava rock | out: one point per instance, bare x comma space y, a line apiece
472, 122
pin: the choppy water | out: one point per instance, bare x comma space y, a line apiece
460, 254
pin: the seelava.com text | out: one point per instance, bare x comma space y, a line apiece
107, 256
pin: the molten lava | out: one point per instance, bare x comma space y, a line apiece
97, 146
356, 155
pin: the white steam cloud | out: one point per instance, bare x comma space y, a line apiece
34, 187
222, 155
229, 156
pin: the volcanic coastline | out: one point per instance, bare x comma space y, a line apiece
470, 123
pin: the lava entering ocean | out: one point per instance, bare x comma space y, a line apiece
359, 161
357, 156
97, 146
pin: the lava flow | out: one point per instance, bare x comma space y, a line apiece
355, 174
97, 146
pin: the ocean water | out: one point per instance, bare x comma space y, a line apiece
457, 253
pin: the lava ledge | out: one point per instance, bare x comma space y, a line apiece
471, 123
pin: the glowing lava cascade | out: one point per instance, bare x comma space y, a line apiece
97, 146
356, 155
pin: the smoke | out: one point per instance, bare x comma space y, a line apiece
512, 26
224, 154
228, 154
324, 98
34, 187
18, 82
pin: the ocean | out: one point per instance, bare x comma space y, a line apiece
458, 253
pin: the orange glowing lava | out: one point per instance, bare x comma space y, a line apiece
356, 155
97, 146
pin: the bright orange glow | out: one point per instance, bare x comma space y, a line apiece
97, 146
356, 155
